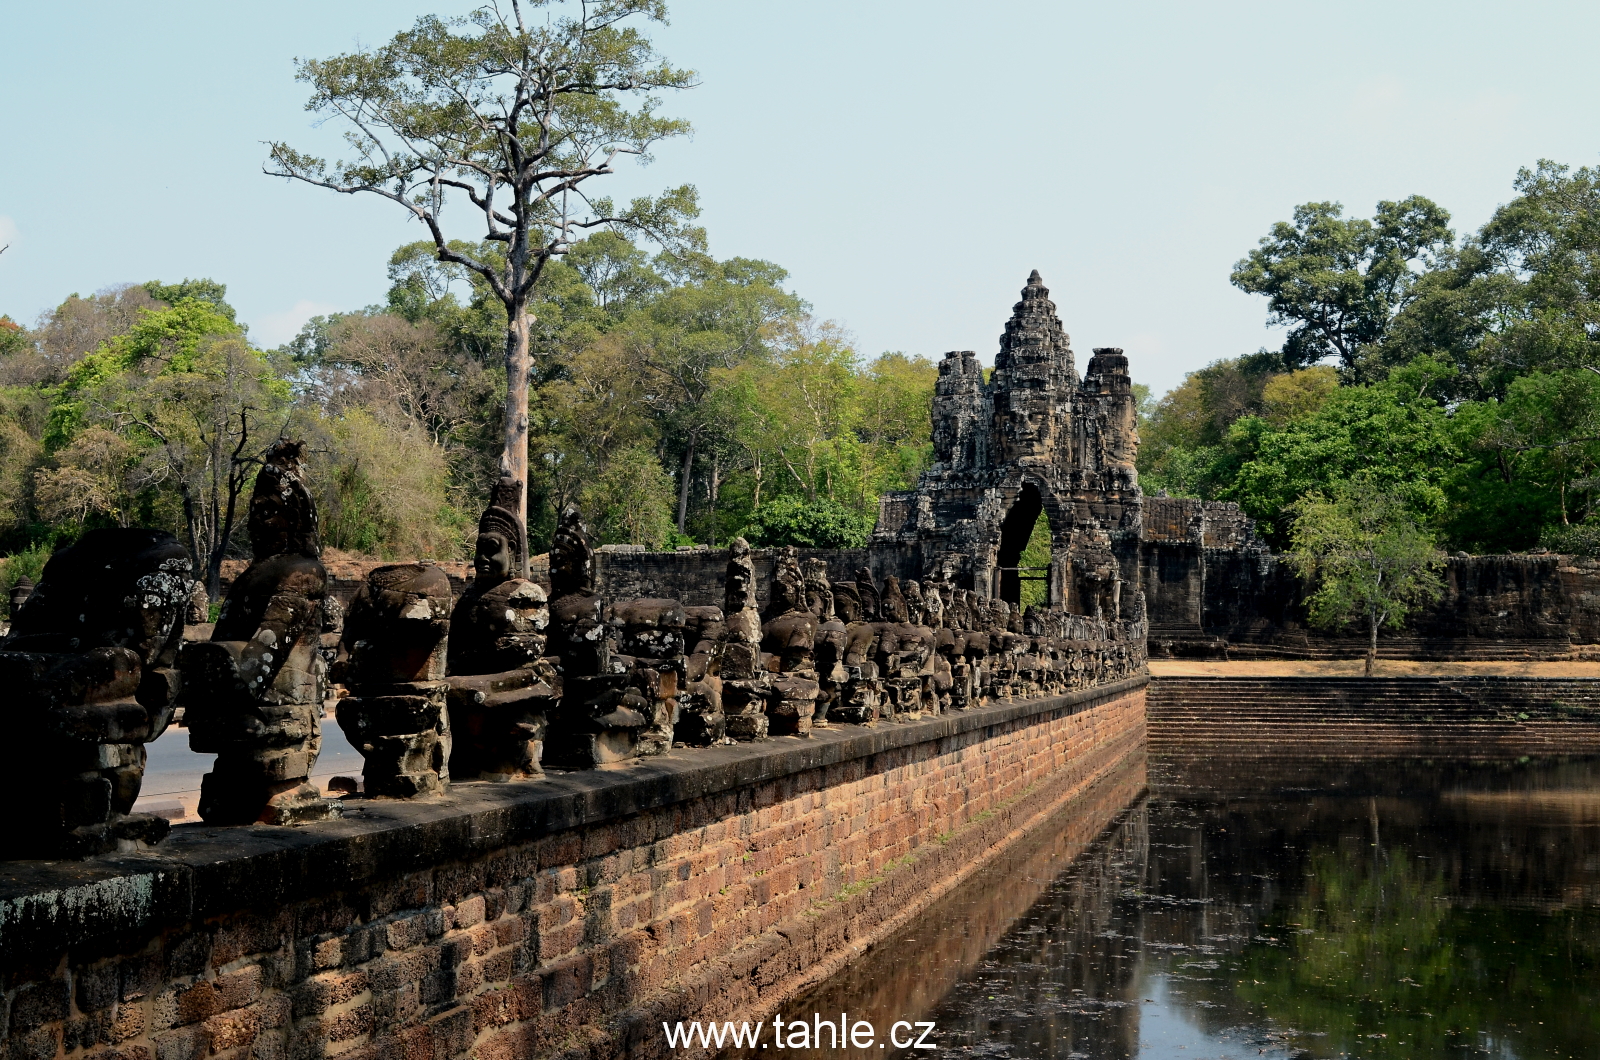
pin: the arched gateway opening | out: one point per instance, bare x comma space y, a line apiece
1014, 534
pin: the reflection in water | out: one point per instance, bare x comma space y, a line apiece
1396, 910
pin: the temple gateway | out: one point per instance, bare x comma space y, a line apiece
1035, 437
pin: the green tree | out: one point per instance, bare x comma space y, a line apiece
185, 398
382, 488
686, 341
71, 331
516, 116
894, 424
1366, 556
600, 407
1337, 283
1548, 237
1186, 447
203, 422
807, 523
630, 501
208, 291
1531, 460
14, 337
617, 271
97, 473
1296, 395
1035, 592
23, 412
1395, 434
806, 390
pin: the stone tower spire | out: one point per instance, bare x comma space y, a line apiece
1033, 378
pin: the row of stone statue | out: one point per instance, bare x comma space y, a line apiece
506, 682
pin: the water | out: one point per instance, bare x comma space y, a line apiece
1261, 909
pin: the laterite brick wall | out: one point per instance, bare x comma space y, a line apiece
568, 916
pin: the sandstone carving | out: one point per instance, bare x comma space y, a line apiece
701, 721
745, 682
601, 714
1033, 438
788, 646
395, 636
90, 678
502, 688
254, 692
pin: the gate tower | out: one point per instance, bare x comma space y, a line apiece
1033, 437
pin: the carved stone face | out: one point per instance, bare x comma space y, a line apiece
492, 564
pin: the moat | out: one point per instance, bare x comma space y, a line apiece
1255, 908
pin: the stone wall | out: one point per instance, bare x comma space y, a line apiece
569, 915
1213, 588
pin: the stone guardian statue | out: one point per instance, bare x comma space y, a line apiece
253, 694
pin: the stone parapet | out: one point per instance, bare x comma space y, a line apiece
569, 914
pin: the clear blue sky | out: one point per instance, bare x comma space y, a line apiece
907, 162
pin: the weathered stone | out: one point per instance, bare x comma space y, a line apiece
652, 632
90, 666
700, 719
1033, 438
395, 635
254, 692
600, 715
501, 688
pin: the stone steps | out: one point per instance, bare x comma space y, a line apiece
1185, 642
1357, 716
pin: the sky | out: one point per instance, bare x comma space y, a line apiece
907, 162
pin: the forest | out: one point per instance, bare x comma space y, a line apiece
678, 398
1461, 375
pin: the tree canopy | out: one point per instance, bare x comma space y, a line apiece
679, 399
1459, 374
516, 116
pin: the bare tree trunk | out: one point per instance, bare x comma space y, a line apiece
222, 522
220, 548
1372, 645
716, 467
191, 522
514, 459
683, 485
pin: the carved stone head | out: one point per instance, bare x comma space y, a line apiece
283, 516
915, 604
846, 602
114, 588
819, 592
892, 605
500, 536
571, 556
867, 592
788, 584
492, 562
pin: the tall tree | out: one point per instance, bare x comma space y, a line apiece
517, 116
1338, 282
